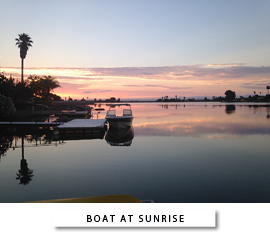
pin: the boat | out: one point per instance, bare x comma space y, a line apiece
121, 121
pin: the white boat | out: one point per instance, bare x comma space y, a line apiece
122, 121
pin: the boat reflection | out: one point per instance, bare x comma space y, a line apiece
120, 136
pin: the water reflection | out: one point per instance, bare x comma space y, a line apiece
5, 144
204, 121
11, 138
186, 145
120, 136
25, 174
173, 120
230, 109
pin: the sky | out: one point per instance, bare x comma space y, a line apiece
141, 49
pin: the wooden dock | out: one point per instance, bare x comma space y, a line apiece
73, 124
29, 124
75, 129
82, 129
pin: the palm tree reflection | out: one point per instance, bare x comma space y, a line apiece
24, 174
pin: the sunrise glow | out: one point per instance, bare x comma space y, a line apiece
152, 83
118, 54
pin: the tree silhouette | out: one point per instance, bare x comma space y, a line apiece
48, 84
267, 87
7, 106
35, 85
42, 86
23, 42
230, 95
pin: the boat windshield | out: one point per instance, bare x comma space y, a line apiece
122, 108
111, 113
127, 112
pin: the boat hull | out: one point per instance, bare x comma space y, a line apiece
119, 122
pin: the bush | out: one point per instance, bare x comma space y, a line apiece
7, 107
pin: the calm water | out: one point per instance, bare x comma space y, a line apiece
197, 152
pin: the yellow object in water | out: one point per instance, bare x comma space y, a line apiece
97, 199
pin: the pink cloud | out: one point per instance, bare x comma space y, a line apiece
194, 80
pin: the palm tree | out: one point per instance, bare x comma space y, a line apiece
48, 83
23, 42
35, 85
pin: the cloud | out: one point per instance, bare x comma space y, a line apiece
224, 64
155, 86
180, 88
165, 80
81, 78
178, 73
98, 91
147, 73
253, 86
